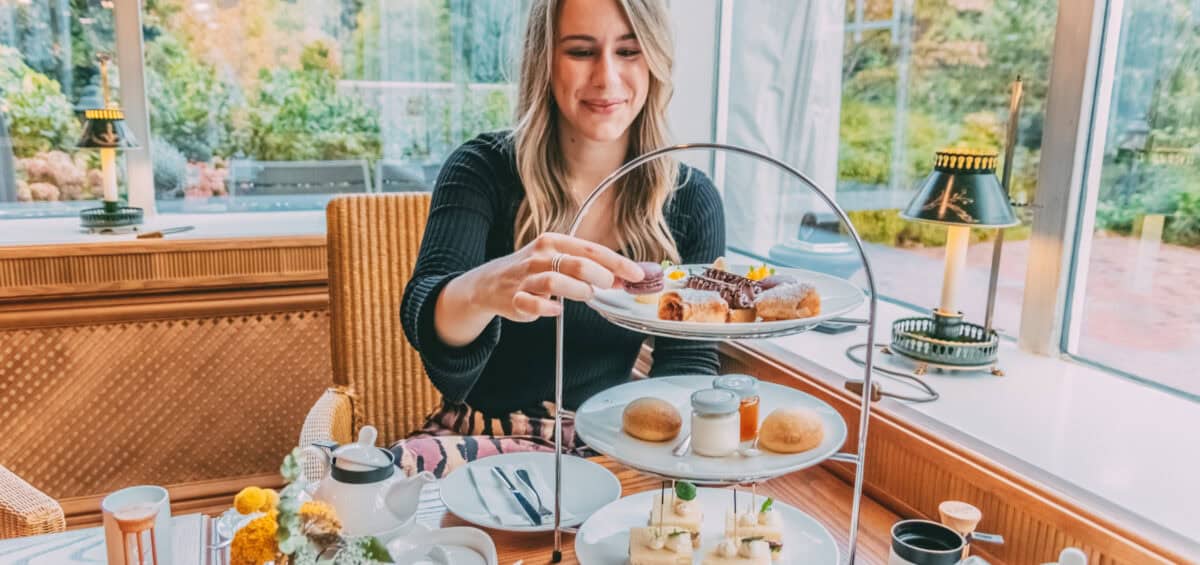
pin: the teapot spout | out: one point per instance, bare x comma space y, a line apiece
403, 496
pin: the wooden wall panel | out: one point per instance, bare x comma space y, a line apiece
92, 407
35, 272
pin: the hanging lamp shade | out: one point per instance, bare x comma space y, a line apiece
104, 128
962, 190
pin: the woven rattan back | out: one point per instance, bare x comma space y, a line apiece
373, 246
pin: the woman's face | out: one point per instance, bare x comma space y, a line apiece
600, 77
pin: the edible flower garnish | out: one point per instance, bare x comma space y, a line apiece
759, 273
673, 272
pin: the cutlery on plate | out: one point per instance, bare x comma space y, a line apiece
681, 449
524, 476
516, 493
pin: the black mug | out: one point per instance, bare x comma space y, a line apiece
921, 542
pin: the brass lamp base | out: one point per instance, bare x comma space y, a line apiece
946, 342
111, 215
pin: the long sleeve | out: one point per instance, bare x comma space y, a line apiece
701, 239
464, 207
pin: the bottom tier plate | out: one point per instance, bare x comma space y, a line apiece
604, 537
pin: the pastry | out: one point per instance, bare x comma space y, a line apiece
742, 315
673, 513
659, 546
788, 302
651, 419
647, 290
738, 291
776, 280
791, 430
720, 264
739, 551
766, 523
690, 305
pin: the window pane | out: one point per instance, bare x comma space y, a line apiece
1137, 305
278, 105
896, 87
48, 76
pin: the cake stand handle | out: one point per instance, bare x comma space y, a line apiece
868, 361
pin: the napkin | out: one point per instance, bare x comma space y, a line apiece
500, 503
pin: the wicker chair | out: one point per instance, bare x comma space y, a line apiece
373, 241
26, 511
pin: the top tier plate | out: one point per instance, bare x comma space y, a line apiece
598, 423
838, 297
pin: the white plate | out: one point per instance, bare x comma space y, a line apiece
838, 297
587, 487
604, 538
598, 423
463, 546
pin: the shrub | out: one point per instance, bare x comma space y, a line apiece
39, 116
170, 170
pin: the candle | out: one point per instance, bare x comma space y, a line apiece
108, 170
957, 238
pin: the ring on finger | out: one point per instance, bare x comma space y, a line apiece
556, 262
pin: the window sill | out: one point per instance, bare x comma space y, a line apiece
1074, 428
58, 231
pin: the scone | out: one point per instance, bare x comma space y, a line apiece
672, 513
651, 419
767, 525
657, 546
743, 551
791, 430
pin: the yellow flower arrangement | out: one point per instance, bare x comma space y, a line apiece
255, 543
289, 531
255, 499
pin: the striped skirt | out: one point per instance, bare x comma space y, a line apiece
456, 434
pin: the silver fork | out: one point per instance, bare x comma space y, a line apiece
524, 476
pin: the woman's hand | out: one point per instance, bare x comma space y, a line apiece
520, 286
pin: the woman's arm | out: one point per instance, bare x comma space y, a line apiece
702, 241
464, 207
452, 307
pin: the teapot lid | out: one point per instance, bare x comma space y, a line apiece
362, 455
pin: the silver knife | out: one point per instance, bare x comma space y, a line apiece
516, 493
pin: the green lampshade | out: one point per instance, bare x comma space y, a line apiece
962, 190
105, 129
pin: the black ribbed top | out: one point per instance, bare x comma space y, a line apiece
511, 365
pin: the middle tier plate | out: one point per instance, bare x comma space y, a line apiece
598, 423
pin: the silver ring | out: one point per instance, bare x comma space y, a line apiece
556, 262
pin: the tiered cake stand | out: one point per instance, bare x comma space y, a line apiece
858, 458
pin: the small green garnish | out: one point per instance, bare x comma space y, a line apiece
755, 538
685, 490
666, 263
678, 533
767, 505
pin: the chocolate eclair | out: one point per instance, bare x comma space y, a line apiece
738, 291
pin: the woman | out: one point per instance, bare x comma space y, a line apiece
593, 93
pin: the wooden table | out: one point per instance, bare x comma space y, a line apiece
815, 491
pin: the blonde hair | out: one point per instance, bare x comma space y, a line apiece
640, 225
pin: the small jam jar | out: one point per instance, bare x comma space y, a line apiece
746, 389
714, 422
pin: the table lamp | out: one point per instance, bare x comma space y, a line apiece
961, 193
104, 129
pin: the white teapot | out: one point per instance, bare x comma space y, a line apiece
361, 483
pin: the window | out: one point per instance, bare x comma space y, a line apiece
49, 75
1136, 307
277, 105
929, 75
